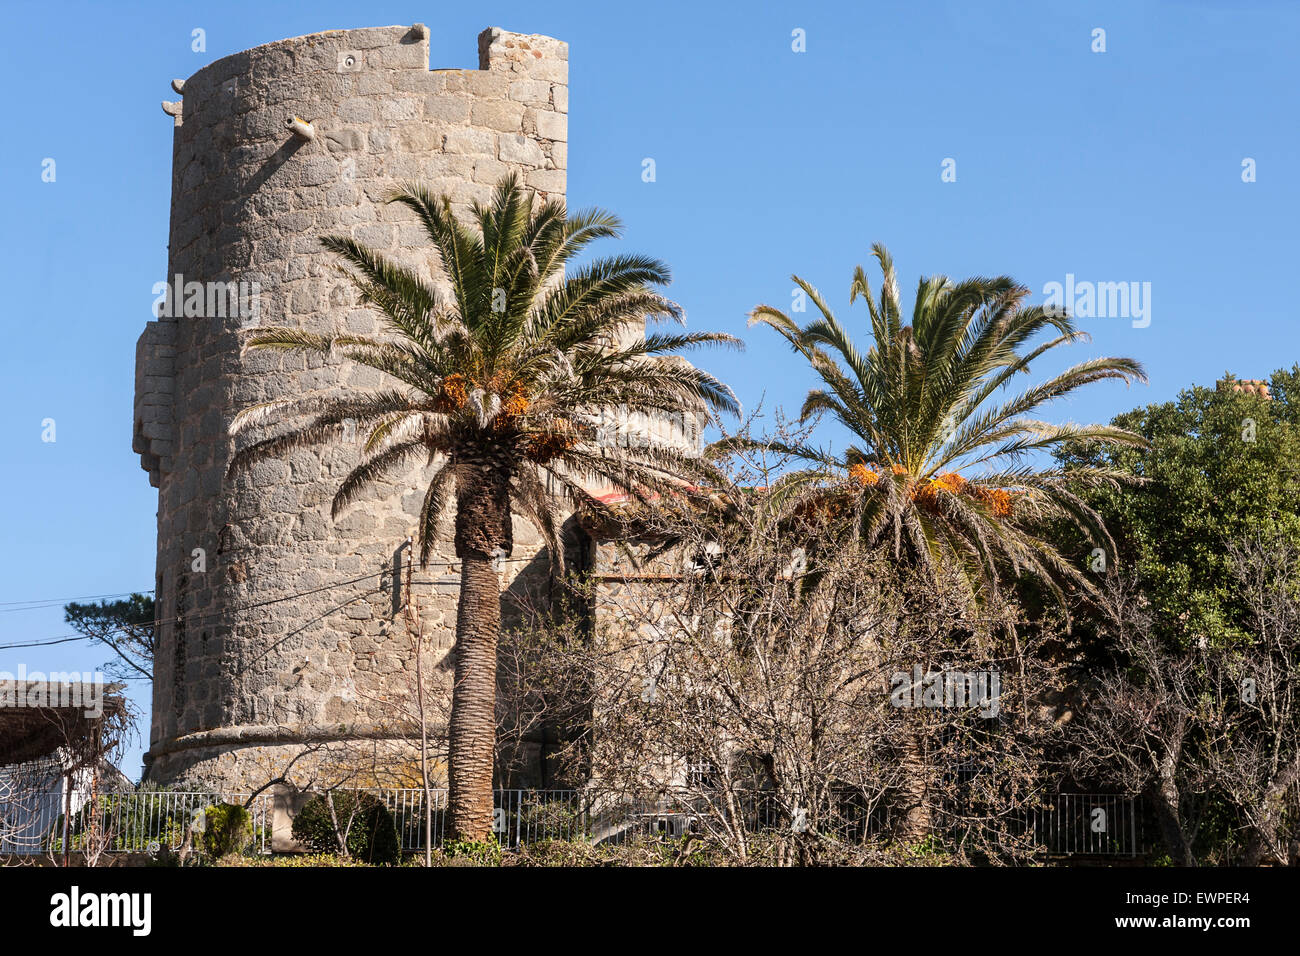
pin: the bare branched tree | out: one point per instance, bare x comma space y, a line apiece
1255, 760
1205, 726
761, 681
1146, 717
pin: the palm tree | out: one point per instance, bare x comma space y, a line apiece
921, 407
497, 386
920, 410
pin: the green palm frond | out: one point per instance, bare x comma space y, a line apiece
437, 494
373, 469
511, 367
919, 406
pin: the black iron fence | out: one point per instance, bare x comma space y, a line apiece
1065, 824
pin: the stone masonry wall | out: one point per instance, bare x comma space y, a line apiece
266, 649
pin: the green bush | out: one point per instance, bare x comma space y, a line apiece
371, 839
566, 853
553, 819
228, 830
470, 853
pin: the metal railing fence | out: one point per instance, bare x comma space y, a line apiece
1068, 824
127, 822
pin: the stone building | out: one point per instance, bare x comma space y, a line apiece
278, 624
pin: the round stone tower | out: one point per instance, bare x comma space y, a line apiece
278, 624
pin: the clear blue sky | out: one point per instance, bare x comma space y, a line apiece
1117, 166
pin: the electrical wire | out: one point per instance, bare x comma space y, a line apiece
188, 619
36, 604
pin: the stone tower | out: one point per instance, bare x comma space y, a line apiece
278, 627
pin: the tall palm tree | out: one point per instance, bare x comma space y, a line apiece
497, 385
922, 406
939, 465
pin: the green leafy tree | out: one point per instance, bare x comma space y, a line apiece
1221, 466
126, 627
498, 386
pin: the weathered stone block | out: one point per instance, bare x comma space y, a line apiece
550, 125
504, 115
531, 92
447, 108
517, 148
546, 180
469, 140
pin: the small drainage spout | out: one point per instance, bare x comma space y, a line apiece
301, 128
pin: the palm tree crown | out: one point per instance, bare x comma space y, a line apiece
500, 380
921, 408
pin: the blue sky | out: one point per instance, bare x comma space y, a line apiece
1122, 166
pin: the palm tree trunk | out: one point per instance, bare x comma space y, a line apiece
472, 728
482, 529
917, 819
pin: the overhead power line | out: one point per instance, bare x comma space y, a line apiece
196, 618
37, 603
